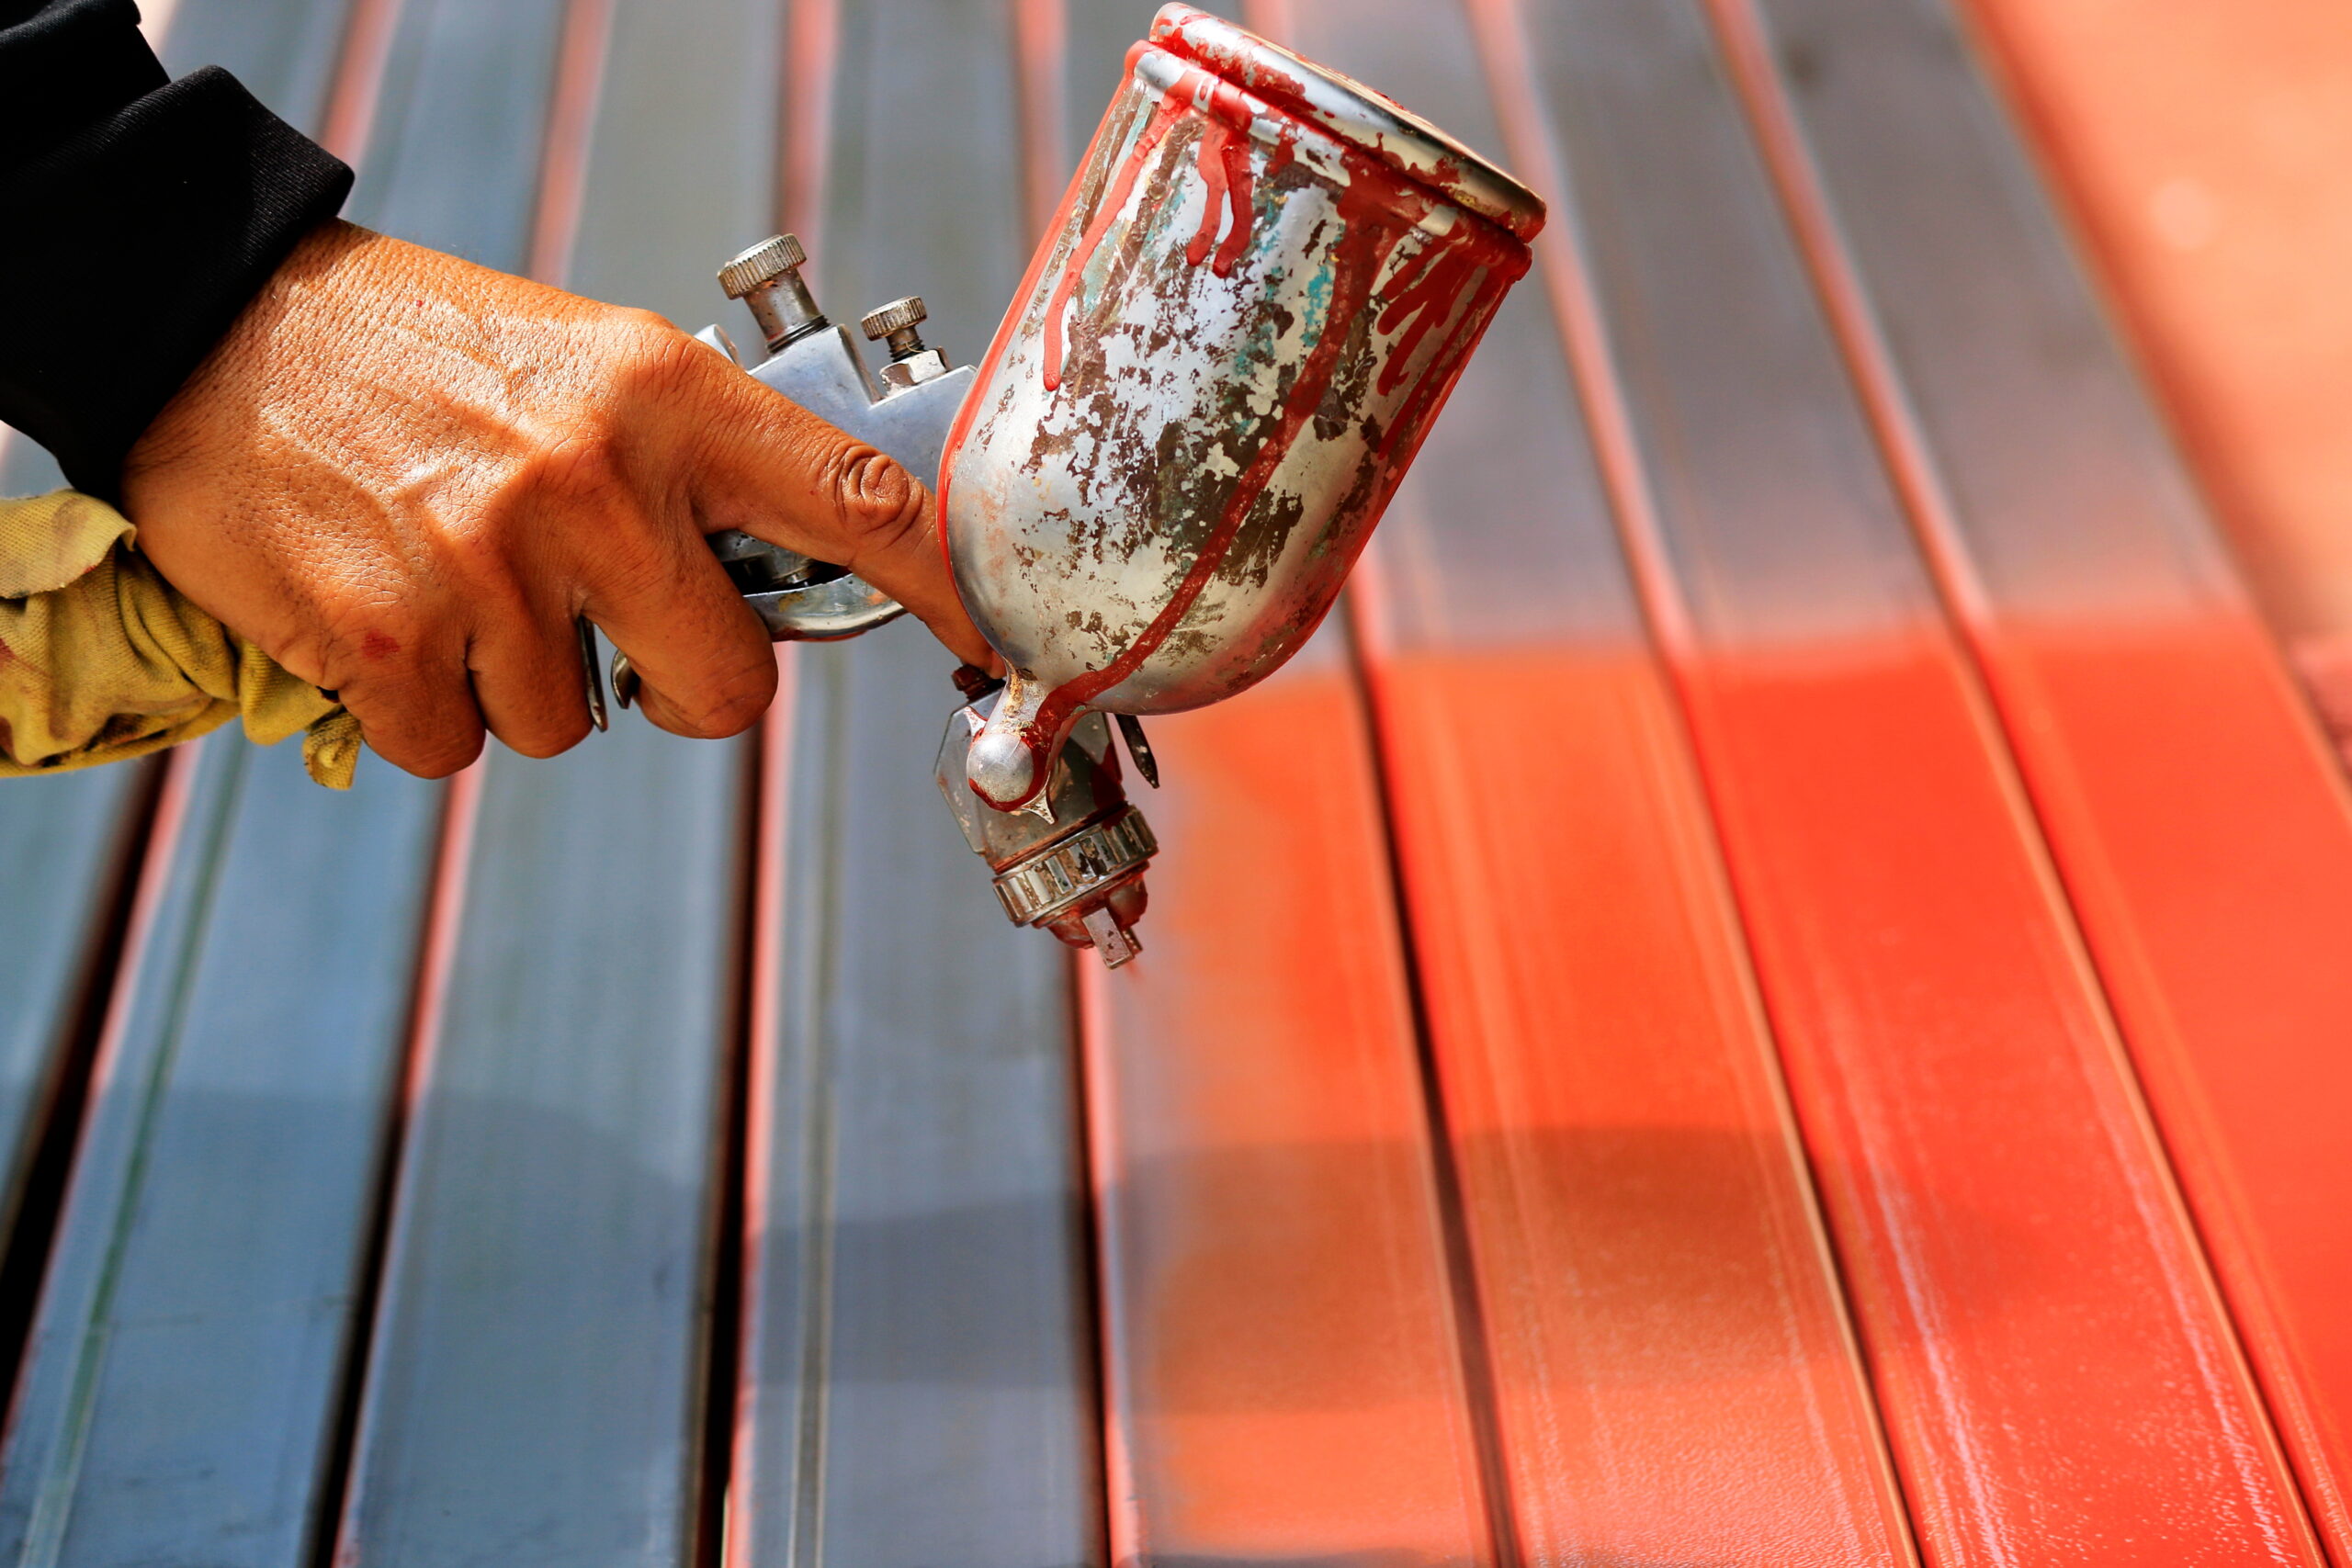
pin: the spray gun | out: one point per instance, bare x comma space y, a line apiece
1261, 286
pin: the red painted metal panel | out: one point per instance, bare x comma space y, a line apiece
1674, 1377
2059, 1380
2199, 822
1281, 1368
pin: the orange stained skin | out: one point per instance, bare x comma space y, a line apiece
2203, 148
2057, 1374
1283, 1375
1675, 1376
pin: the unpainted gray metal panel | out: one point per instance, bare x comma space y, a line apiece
1096, 36
461, 119
1499, 533
61, 852
285, 51
682, 160
183, 1392
2069, 494
1776, 510
918, 1381
536, 1390
184, 1400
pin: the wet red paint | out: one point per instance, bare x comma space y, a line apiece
1114, 200
1224, 163
2206, 841
1282, 1377
1674, 1378
2026, 1284
1423, 298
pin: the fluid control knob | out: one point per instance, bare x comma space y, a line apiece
767, 278
894, 324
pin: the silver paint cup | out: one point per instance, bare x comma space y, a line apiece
1257, 295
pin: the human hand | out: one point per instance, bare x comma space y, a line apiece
403, 476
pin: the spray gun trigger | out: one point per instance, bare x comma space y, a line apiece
1131, 729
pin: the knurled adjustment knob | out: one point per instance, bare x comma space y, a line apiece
895, 322
762, 265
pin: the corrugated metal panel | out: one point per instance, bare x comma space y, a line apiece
917, 1374
2195, 813
1674, 1375
182, 1402
2022, 1271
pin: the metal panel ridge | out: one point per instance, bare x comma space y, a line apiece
2194, 812
917, 1370
1674, 1376
1950, 1056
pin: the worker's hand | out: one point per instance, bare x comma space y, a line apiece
402, 475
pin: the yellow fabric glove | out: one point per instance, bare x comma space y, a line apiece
101, 659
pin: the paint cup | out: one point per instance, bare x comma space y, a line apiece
1255, 297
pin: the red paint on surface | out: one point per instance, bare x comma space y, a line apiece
1163, 116
2056, 1371
1675, 1378
2207, 843
1421, 298
1282, 1377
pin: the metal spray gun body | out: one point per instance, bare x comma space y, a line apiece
1263, 283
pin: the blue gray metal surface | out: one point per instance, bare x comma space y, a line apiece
66, 839
535, 1388
917, 1377
181, 1400
193, 1344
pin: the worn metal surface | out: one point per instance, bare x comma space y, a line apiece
1674, 1378
1225, 353
1950, 1059
2198, 821
182, 1397
916, 1382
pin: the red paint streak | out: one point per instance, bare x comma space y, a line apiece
1039, 259
1283, 1378
1163, 116
1225, 172
1364, 244
1437, 278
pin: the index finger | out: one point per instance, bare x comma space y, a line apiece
772, 469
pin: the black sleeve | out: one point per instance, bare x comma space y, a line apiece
137, 217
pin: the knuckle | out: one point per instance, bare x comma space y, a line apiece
876, 503
549, 738
730, 702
